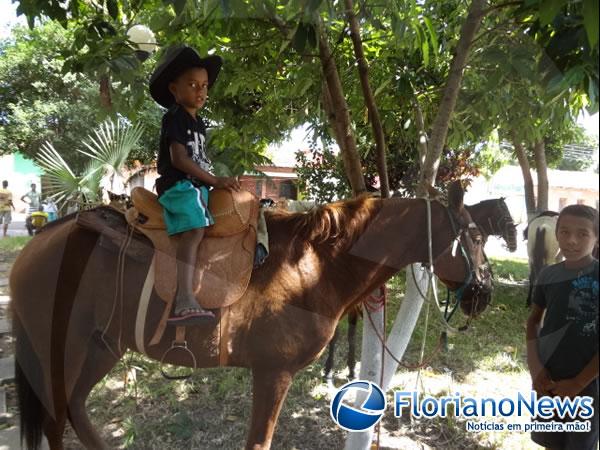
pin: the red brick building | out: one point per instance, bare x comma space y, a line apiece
277, 182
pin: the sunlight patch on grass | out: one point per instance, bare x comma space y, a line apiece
503, 362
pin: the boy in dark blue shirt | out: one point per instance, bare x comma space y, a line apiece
180, 84
562, 354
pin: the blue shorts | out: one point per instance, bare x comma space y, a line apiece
185, 207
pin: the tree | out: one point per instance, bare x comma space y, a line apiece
533, 103
39, 102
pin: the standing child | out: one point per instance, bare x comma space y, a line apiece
562, 329
180, 84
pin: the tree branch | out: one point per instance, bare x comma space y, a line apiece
363, 72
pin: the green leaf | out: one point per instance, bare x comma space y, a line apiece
549, 9
179, 6
300, 38
432, 35
425, 51
398, 27
313, 5
113, 8
590, 21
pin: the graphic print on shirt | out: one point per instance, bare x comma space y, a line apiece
583, 305
197, 149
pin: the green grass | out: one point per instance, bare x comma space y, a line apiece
14, 243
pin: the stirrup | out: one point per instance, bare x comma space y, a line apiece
174, 346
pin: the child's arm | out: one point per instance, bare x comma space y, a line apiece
570, 387
181, 161
539, 374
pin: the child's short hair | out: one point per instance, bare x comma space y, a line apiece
584, 211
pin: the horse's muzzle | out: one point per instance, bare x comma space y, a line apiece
478, 294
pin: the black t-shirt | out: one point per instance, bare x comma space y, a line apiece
569, 336
179, 126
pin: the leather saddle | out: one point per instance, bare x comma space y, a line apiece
225, 256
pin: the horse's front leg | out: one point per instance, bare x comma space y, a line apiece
270, 387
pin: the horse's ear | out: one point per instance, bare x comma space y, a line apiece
456, 195
433, 193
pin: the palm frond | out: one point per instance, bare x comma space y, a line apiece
62, 182
110, 145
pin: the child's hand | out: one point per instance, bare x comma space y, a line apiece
566, 388
543, 384
228, 183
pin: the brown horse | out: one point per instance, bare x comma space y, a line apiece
65, 291
493, 219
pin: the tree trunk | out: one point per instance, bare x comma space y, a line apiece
328, 107
442, 119
539, 151
105, 97
341, 116
363, 72
527, 178
422, 144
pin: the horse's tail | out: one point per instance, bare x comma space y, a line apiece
31, 410
539, 251
537, 260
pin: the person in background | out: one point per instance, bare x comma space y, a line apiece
33, 200
39, 219
5, 207
51, 208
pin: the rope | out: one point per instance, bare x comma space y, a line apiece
389, 352
376, 302
118, 297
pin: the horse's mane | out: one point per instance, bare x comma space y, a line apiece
337, 225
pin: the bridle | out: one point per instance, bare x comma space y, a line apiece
471, 274
504, 226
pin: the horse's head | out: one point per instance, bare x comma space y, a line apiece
505, 224
493, 218
463, 267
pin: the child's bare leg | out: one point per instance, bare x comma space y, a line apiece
187, 249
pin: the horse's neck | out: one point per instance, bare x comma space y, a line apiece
483, 215
395, 238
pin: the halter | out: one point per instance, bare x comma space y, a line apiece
457, 242
503, 225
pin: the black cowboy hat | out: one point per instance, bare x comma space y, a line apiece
176, 60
